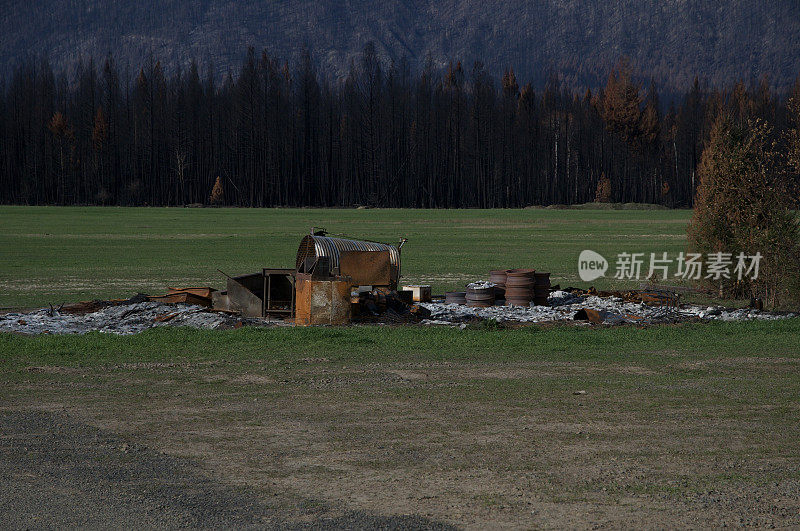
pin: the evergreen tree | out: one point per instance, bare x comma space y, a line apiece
743, 206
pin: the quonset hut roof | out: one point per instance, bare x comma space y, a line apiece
313, 246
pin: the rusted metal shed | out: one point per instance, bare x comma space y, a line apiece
315, 246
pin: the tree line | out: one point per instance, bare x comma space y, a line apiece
276, 134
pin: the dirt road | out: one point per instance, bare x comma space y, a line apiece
58, 473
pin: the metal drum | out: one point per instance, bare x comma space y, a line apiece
455, 297
480, 295
519, 287
498, 278
541, 288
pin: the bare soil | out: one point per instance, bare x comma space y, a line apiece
59, 473
275, 443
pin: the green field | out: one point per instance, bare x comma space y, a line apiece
692, 425
54, 254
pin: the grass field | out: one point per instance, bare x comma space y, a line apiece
53, 255
694, 425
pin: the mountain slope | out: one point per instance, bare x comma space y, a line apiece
670, 40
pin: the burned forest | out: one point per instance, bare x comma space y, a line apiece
281, 134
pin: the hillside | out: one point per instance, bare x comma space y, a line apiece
672, 40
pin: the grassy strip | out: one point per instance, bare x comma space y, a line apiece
649, 346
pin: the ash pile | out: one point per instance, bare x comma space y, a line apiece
525, 296
119, 317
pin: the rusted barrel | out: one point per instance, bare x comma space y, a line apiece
519, 287
498, 278
480, 295
541, 288
455, 297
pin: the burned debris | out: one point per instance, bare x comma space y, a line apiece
198, 296
337, 281
590, 306
121, 319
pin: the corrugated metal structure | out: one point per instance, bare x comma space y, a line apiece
314, 247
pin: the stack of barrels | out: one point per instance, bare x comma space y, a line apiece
514, 287
519, 287
455, 297
498, 278
541, 288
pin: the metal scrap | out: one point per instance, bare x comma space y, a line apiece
86, 307
245, 294
182, 297
316, 245
480, 294
322, 301
367, 268
519, 287
588, 314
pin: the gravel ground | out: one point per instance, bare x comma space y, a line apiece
59, 473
